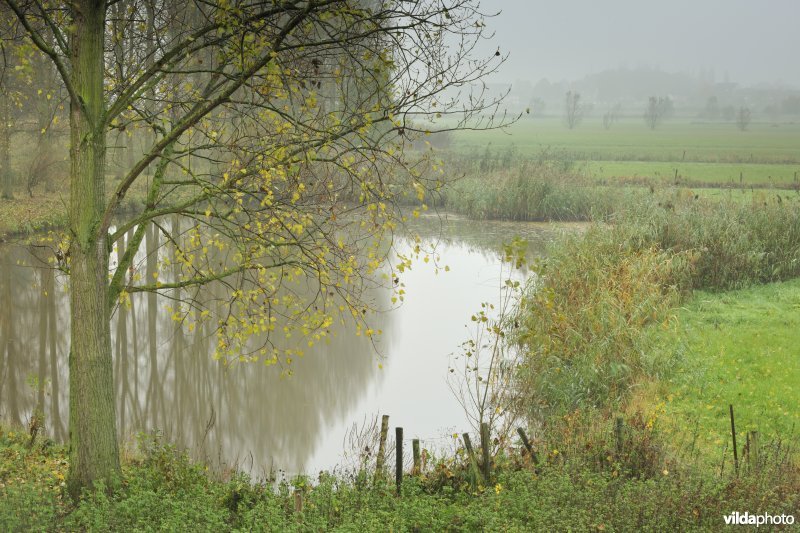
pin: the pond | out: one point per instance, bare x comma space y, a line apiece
249, 416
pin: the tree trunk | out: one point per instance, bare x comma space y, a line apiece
94, 455
6, 190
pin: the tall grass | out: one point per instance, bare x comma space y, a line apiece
736, 244
532, 190
583, 323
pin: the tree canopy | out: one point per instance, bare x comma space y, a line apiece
276, 132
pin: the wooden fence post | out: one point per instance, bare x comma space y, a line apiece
298, 503
473, 462
485, 444
398, 432
415, 451
528, 446
733, 435
381, 459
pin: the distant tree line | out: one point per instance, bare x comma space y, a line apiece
658, 109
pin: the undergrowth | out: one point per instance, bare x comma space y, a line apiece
589, 483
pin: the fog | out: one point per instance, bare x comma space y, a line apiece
744, 42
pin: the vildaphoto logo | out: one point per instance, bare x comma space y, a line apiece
747, 519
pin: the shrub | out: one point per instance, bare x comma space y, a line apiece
583, 321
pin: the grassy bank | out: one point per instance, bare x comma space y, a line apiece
554, 186
542, 189
586, 324
26, 215
162, 490
739, 348
47, 209
679, 153
704, 174
665, 318
517, 196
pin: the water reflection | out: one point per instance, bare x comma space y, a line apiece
248, 415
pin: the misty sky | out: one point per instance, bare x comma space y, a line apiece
753, 41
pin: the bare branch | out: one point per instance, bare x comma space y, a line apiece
40, 43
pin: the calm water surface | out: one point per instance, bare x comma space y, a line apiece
249, 416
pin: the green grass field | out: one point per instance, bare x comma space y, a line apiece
724, 174
759, 196
737, 348
714, 153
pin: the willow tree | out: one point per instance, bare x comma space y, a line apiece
268, 139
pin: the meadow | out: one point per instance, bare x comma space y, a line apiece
711, 153
678, 301
696, 174
739, 348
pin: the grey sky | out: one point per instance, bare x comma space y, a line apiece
753, 41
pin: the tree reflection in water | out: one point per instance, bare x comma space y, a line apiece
246, 415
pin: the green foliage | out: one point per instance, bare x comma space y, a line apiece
584, 491
584, 320
164, 491
31, 478
27, 507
